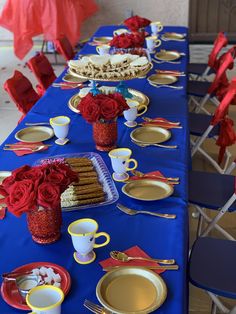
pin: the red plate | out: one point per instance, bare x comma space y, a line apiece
10, 292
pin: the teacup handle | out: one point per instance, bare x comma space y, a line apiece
160, 28
97, 49
99, 234
135, 164
144, 110
159, 43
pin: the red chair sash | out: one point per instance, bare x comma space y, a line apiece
64, 47
220, 42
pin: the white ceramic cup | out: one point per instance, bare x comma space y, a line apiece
45, 299
103, 49
132, 113
156, 27
120, 31
60, 126
120, 160
152, 42
83, 234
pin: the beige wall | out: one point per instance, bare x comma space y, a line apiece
170, 12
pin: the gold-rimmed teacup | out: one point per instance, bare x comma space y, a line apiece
135, 110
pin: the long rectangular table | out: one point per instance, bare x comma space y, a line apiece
161, 238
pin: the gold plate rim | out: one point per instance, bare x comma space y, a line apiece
168, 52
131, 90
169, 189
102, 39
71, 81
155, 128
173, 79
135, 270
47, 130
130, 77
173, 36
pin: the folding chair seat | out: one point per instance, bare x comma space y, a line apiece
201, 70
207, 91
21, 92
219, 124
212, 268
64, 48
211, 191
43, 71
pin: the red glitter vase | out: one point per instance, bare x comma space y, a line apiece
45, 224
105, 135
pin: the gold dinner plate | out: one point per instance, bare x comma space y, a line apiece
102, 40
131, 290
166, 55
147, 189
138, 96
162, 79
34, 134
72, 79
150, 135
4, 174
177, 36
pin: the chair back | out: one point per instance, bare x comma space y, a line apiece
21, 92
220, 42
64, 48
42, 69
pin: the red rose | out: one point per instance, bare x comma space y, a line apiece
109, 109
48, 195
138, 39
132, 23
121, 101
15, 176
34, 174
21, 197
125, 41
89, 109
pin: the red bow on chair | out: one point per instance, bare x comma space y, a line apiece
220, 42
227, 137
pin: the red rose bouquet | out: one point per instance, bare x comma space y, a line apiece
135, 22
127, 40
30, 187
102, 107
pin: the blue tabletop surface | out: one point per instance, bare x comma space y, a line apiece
161, 238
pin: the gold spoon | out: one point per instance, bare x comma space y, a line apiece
35, 149
122, 257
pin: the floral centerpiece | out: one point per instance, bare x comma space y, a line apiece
128, 40
102, 111
134, 23
36, 191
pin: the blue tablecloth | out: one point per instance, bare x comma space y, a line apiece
158, 237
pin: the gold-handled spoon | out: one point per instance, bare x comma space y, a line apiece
35, 149
122, 257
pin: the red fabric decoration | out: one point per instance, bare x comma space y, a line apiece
227, 137
64, 47
220, 42
43, 71
21, 92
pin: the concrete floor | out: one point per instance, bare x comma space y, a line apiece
199, 301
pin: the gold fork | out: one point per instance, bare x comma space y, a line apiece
154, 144
132, 212
94, 308
141, 174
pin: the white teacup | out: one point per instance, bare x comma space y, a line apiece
132, 113
120, 31
120, 160
103, 49
83, 234
152, 42
60, 126
156, 27
45, 299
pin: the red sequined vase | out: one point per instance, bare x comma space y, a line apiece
105, 135
45, 224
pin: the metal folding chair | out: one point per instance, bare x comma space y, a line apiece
204, 127
212, 268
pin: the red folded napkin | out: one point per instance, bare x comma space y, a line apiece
26, 151
173, 73
164, 123
155, 175
2, 213
134, 251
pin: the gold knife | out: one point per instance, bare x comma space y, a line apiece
166, 267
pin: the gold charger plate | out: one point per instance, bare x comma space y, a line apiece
34, 134
176, 36
138, 96
102, 40
72, 79
166, 55
131, 290
147, 189
150, 135
162, 79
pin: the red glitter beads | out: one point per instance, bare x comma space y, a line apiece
105, 135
